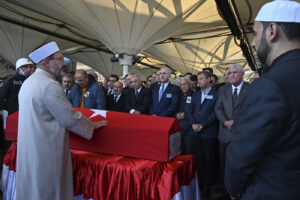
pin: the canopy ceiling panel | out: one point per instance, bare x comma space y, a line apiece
100, 61
17, 41
187, 35
130, 26
192, 55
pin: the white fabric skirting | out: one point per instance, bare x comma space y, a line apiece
8, 187
189, 192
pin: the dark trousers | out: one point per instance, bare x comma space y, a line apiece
222, 148
206, 157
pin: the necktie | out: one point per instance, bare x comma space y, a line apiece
136, 92
67, 92
116, 98
110, 91
161, 91
234, 97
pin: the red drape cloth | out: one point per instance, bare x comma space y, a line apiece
103, 176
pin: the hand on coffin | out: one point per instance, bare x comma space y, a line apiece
136, 112
99, 124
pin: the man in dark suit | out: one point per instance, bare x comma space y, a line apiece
262, 160
202, 140
185, 99
164, 96
112, 78
138, 97
116, 101
194, 83
67, 82
227, 106
127, 84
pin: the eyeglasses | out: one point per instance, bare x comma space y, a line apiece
59, 58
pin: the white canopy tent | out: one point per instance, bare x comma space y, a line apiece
185, 35
192, 54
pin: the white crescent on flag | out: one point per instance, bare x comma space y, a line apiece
98, 112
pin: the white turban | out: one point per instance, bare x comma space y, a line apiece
43, 52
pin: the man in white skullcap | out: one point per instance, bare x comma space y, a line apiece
263, 159
44, 168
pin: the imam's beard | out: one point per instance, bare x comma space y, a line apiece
59, 73
263, 50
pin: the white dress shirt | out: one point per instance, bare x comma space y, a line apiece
239, 87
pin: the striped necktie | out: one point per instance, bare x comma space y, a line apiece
161, 91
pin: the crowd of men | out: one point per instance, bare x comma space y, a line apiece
246, 136
192, 104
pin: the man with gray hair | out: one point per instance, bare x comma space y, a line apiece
262, 160
138, 98
227, 108
164, 95
185, 99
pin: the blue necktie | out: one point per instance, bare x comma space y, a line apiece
161, 91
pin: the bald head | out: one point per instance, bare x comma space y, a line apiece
165, 74
136, 81
81, 78
118, 87
185, 85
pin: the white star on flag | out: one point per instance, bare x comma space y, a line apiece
98, 112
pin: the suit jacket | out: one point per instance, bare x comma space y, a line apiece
106, 91
168, 103
204, 114
262, 160
225, 110
118, 106
184, 102
125, 90
140, 103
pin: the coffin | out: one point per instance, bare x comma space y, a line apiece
138, 136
